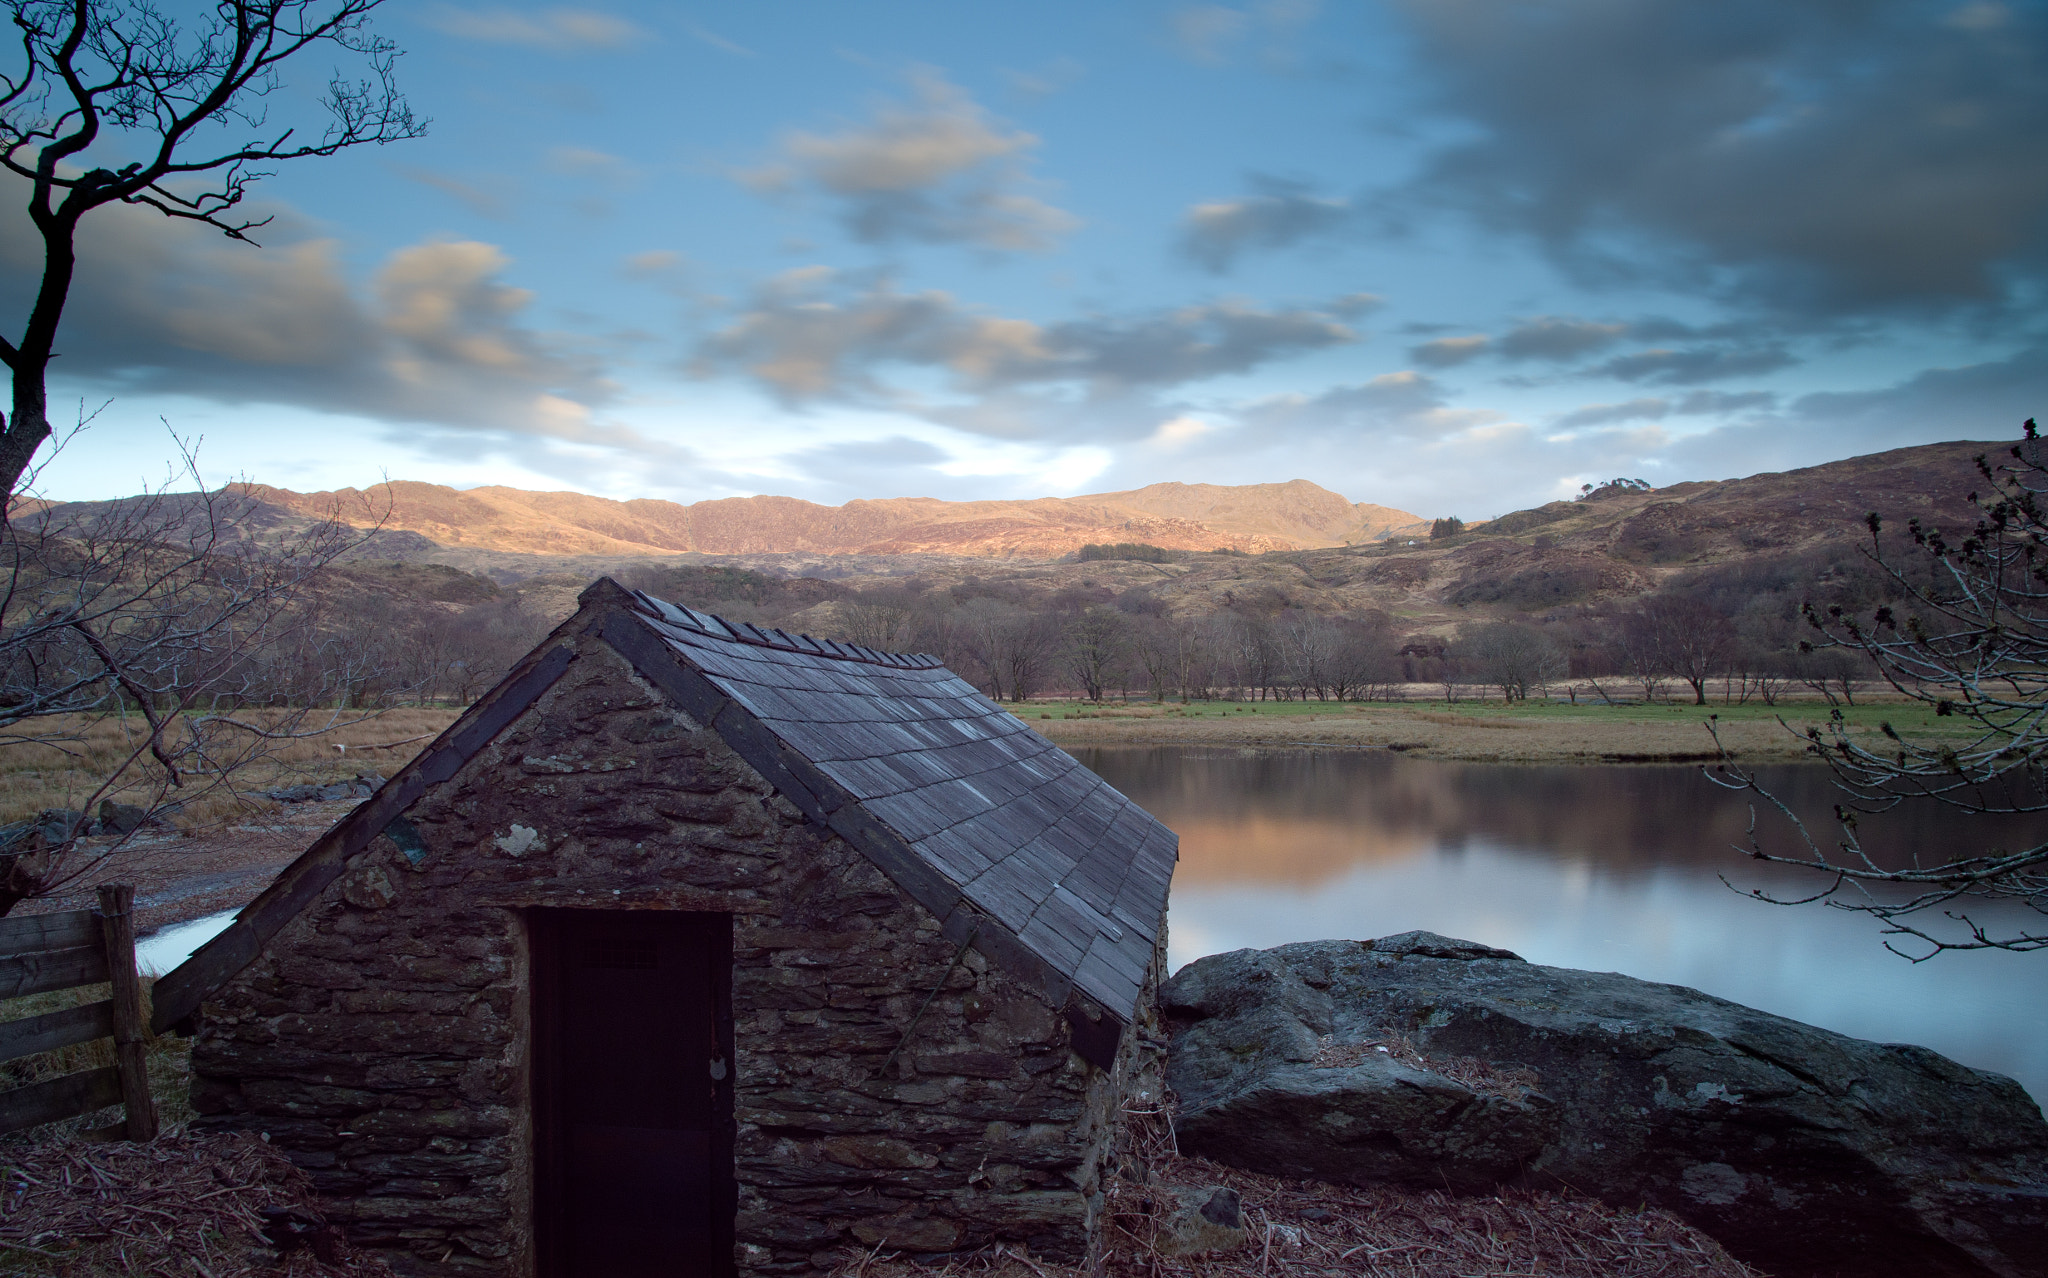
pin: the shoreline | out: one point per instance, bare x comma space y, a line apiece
1468, 732
221, 867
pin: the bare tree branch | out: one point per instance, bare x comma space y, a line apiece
1968, 637
164, 605
129, 73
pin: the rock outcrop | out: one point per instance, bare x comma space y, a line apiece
1424, 1059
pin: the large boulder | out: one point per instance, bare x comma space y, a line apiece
1434, 1061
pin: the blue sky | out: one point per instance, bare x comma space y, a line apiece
1457, 256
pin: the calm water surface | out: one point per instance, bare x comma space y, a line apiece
1603, 868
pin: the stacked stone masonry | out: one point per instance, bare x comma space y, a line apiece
379, 1040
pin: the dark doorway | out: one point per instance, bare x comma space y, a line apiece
632, 1093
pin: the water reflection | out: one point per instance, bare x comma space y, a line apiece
164, 949
1606, 868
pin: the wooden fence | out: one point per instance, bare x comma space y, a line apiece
62, 951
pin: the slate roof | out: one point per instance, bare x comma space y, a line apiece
1005, 837
1045, 849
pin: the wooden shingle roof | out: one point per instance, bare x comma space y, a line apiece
1014, 845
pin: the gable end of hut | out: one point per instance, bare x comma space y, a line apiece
904, 1071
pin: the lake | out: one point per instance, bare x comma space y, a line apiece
1607, 868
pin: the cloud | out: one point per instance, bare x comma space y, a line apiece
1353, 305
1403, 405
482, 201
893, 466
596, 167
1986, 401
1205, 32
1979, 17
720, 43
1560, 338
1698, 364
1214, 34
161, 306
1814, 161
1563, 339
1178, 433
1448, 352
1049, 78
454, 348
934, 170
652, 264
1279, 215
814, 333
554, 30
1657, 409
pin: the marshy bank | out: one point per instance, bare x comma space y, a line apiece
1480, 731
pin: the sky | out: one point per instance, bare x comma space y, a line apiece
1452, 256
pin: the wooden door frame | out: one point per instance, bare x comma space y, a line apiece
544, 931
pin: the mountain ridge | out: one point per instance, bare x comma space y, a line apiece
1252, 518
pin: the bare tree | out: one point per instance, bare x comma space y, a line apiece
136, 79
1691, 640
1097, 643
1363, 665
1970, 640
875, 619
1251, 651
1030, 640
1011, 646
1174, 652
155, 609
1312, 641
1515, 658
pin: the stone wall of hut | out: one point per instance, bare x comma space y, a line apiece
379, 1041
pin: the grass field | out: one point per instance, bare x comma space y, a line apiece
36, 776
1528, 731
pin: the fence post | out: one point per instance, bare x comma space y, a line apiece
117, 929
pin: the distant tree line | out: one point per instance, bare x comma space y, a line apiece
370, 635
1732, 632
1134, 551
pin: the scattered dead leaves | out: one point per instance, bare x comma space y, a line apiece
181, 1204
1310, 1229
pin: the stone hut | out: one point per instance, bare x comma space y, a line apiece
696, 948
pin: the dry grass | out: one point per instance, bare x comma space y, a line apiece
1310, 1229
1465, 720
170, 1062
36, 776
179, 1205
1584, 733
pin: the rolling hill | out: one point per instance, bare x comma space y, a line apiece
1253, 518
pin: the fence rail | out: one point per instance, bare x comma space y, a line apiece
63, 951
